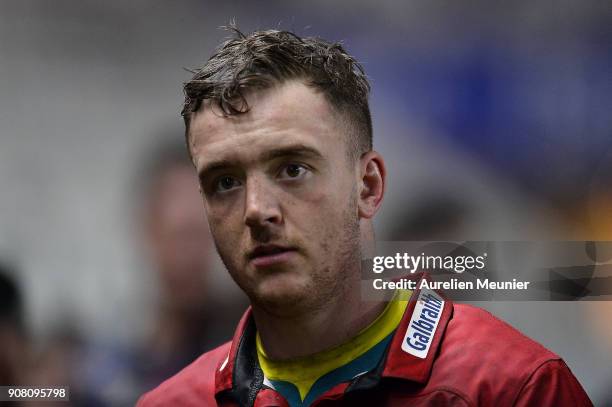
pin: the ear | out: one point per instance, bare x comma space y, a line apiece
372, 183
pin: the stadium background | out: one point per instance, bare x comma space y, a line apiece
494, 119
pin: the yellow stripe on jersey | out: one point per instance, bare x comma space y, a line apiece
304, 372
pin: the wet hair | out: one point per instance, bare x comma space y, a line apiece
263, 59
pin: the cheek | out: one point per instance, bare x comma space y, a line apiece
224, 214
337, 218
223, 230
319, 195
324, 224
224, 227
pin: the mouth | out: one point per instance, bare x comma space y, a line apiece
269, 255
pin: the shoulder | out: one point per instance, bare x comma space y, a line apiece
194, 385
491, 363
476, 329
552, 384
476, 338
482, 356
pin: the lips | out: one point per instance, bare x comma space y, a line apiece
269, 255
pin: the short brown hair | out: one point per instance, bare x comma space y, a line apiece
265, 58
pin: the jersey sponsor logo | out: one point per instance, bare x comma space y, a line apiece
423, 323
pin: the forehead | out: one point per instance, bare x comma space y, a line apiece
286, 114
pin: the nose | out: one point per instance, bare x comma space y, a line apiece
262, 206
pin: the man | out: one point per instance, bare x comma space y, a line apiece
280, 134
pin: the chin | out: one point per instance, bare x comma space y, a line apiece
282, 296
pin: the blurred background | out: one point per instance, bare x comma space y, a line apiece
495, 121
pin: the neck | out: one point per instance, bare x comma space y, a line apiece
311, 332
329, 325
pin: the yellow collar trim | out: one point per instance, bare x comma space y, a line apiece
305, 371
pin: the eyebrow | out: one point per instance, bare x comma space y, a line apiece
296, 150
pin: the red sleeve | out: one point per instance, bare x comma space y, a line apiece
552, 384
144, 401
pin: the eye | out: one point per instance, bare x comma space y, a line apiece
292, 171
226, 183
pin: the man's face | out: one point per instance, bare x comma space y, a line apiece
281, 196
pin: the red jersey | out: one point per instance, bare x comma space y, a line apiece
442, 354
